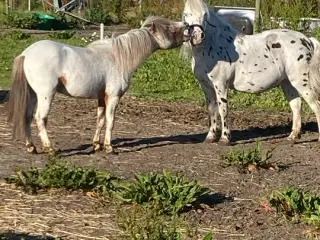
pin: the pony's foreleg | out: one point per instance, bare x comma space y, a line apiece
44, 104
294, 100
111, 106
29, 115
222, 99
101, 118
212, 111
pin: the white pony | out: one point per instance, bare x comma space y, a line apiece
100, 71
223, 58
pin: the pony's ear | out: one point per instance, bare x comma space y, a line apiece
152, 28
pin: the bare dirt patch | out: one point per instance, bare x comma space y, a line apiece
151, 136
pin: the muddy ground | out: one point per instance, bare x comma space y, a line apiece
151, 136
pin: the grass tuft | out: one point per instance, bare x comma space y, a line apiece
249, 160
57, 175
167, 193
297, 204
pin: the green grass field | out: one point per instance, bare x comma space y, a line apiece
164, 76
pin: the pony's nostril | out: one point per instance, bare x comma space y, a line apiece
202, 35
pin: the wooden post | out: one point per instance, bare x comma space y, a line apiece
257, 20
11, 4
7, 7
101, 31
29, 5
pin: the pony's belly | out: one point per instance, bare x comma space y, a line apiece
254, 86
90, 92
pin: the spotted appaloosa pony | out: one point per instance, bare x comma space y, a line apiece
100, 71
223, 58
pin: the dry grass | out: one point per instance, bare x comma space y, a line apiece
51, 214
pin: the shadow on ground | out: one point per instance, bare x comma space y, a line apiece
19, 236
238, 136
3, 96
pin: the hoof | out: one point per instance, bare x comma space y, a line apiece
108, 149
224, 142
32, 149
50, 151
294, 136
210, 140
97, 147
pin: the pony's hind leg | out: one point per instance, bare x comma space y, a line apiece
311, 98
111, 106
29, 115
294, 100
44, 104
101, 118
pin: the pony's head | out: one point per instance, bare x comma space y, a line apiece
167, 33
196, 13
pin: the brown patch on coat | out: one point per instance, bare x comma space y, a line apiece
63, 79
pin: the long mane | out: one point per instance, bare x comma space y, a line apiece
129, 48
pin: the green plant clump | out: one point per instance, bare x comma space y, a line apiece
169, 193
62, 34
296, 204
246, 159
57, 175
145, 224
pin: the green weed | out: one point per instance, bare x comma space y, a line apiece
17, 35
250, 160
297, 204
57, 175
141, 223
166, 192
62, 34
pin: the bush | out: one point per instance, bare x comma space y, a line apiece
27, 20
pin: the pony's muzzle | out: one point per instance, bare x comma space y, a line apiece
197, 34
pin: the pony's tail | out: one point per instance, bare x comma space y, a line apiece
19, 97
314, 74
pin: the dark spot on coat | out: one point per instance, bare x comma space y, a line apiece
293, 41
305, 85
265, 68
305, 80
256, 65
229, 58
244, 54
276, 45
305, 74
268, 48
251, 83
300, 57
308, 59
306, 44
224, 100
266, 56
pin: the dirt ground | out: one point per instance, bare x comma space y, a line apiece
156, 135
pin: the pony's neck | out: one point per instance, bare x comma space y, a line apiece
132, 49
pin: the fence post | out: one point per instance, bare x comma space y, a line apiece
29, 5
7, 7
101, 31
257, 22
